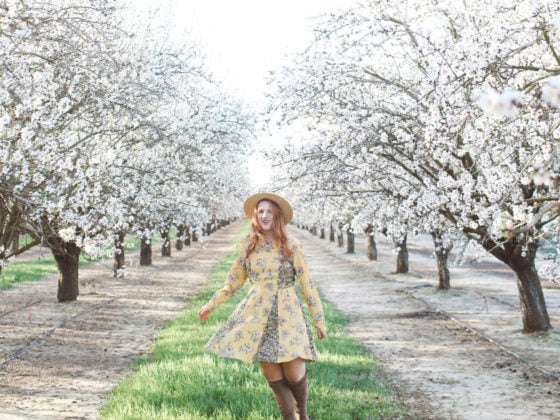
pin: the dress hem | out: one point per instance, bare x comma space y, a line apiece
283, 360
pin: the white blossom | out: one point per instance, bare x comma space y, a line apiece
551, 91
502, 104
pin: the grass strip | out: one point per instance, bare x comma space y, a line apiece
180, 380
36, 269
19, 272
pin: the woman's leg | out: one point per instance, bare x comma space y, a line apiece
295, 374
294, 370
272, 371
282, 392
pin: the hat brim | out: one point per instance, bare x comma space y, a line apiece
252, 201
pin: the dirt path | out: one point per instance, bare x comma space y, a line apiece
452, 355
61, 360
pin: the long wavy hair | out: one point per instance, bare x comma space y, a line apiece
278, 228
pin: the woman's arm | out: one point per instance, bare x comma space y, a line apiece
234, 281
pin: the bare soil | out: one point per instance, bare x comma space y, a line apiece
457, 354
450, 355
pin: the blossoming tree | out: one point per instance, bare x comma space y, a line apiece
440, 116
104, 130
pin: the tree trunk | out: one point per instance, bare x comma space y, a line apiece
520, 257
402, 256
350, 248
340, 237
331, 235
145, 251
187, 237
533, 305
118, 256
371, 245
165, 243
371, 248
442, 254
180, 237
67, 257
322, 234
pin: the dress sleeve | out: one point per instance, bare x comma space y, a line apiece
308, 289
234, 281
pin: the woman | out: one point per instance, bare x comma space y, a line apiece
269, 325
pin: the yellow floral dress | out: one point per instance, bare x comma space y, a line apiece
269, 324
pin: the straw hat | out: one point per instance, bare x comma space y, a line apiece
253, 200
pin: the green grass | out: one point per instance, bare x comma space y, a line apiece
180, 380
18, 272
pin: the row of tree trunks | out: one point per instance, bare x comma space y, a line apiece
519, 256
67, 256
350, 235
184, 238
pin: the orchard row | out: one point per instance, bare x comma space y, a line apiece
109, 127
439, 117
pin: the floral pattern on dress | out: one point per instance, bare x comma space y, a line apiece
269, 324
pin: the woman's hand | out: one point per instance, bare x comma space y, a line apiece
321, 334
203, 313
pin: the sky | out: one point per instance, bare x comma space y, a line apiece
243, 40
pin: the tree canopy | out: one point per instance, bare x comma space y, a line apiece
107, 124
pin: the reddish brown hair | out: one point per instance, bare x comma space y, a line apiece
278, 228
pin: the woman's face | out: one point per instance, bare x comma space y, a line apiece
265, 216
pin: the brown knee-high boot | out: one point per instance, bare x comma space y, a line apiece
299, 389
284, 399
